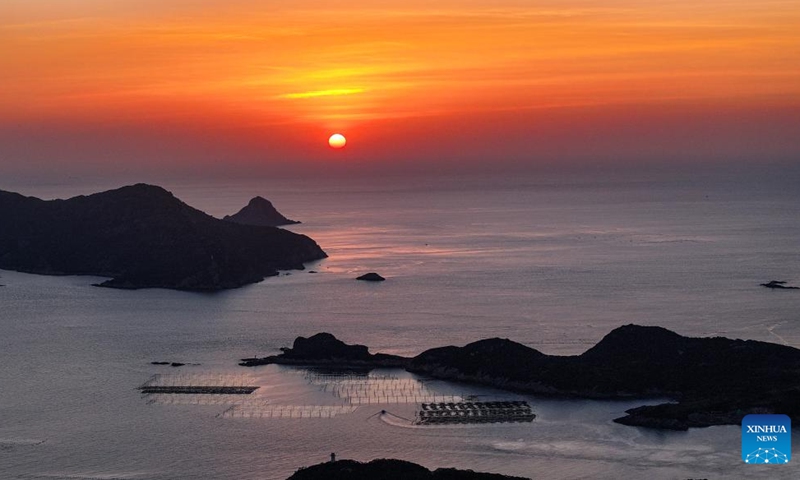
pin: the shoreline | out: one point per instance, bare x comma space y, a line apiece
702, 377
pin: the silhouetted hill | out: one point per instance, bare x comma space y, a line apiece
388, 469
259, 212
716, 380
142, 236
324, 349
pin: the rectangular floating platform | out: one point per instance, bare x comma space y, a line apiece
378, 389
197, 389
452, 413
254, 410
198, 384
197, 399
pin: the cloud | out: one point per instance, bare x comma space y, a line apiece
333, 92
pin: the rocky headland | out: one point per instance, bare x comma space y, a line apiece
713, 381
388, 469
141, 236
323, 349
259, 211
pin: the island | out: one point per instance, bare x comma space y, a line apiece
388, 469
323, 349
141, 236
713, 381
371, 277
259, 211
780, 285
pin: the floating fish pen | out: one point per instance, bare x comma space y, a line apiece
191, 399
397, 383
449, 413
378, 389
253, 410
198, 390
318, 378
196, 385
400, 399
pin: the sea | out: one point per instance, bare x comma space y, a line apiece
553, 261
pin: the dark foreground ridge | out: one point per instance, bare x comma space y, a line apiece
259, 212
715, 381
387, 469
323, 349
142, 236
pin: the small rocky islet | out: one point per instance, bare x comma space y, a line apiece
779, 285
260, 212
371, 277
171, 364
324, 349
714, 381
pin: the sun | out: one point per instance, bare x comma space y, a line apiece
337, 141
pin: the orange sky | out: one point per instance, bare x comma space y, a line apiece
266, 82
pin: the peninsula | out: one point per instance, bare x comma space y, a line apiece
141, 236
714, 381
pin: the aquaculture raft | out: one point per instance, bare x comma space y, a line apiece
378, 389
196, 385
198, 390
474, 412
265, 410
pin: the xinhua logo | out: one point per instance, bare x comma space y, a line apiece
766, 439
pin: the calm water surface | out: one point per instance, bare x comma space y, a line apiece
552, 263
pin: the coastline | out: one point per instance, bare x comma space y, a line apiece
631, 362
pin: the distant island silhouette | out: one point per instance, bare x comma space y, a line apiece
779, 285
716, 381
371, 277
143, 237
260, 211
